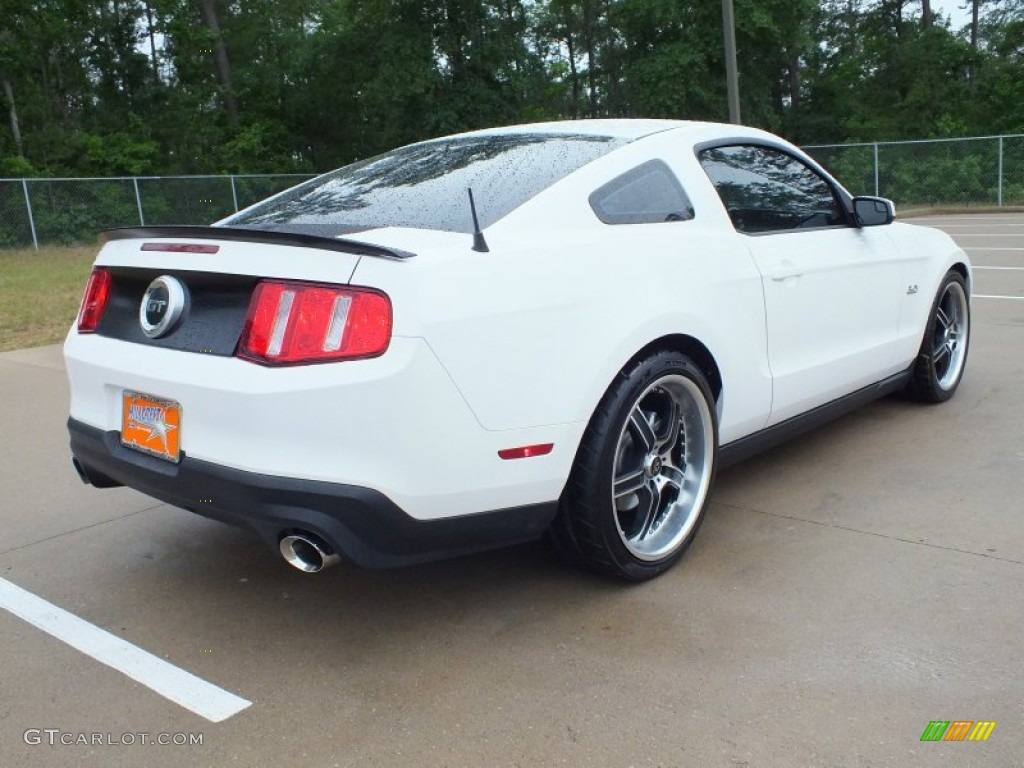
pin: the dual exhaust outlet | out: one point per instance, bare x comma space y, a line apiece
307, 552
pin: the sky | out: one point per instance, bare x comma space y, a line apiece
960, 16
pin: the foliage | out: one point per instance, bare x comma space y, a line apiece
138, 87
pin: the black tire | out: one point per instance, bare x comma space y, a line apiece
643, 472
941, 361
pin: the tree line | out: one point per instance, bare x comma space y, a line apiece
140, 87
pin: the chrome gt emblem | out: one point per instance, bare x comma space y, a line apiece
162, 305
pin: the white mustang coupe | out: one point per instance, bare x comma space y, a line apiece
559, 329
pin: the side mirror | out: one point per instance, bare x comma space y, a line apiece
873, 211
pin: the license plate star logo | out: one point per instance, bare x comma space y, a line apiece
152, 419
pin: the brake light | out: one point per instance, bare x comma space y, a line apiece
97, 292
180, 247
296, 323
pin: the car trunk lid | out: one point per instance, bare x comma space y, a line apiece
219, 268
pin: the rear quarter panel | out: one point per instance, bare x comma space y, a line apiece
533, 332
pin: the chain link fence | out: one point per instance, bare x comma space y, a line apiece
34, 212
985, 171
40, 212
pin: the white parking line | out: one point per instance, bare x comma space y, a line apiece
171, 682
988, 234
993, 248
1009, 269
988, 296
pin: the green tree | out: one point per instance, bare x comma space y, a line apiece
199, 86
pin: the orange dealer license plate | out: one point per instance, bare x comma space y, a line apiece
151, 425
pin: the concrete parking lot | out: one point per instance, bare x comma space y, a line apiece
845, 590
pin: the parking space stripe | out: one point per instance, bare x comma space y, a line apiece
990, 296
1008, 269
991, 248
171, 682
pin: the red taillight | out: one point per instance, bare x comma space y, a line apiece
97, 292
294, 323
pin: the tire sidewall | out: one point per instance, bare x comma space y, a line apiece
927, 365
622, 401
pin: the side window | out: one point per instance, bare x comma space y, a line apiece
647, 194
768, 190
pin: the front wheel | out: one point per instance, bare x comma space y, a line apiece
642, 477
940, 363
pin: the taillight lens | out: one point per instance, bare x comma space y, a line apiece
97, 292
297, 323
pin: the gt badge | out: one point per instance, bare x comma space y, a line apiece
162, 305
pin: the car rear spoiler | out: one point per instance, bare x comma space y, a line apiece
247, 235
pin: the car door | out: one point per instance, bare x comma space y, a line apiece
831, 289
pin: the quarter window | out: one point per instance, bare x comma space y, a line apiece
768, 190
647, 194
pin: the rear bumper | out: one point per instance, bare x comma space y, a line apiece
396, 423
361, 524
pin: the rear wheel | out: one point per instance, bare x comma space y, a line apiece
943, 355
638, 490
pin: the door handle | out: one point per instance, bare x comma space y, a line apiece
784, 270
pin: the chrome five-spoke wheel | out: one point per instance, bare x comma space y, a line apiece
943, 356
949, 340
662, 462
644, 469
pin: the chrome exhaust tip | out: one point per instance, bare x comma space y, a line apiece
307, 552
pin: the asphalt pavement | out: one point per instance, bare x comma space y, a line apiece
845, 591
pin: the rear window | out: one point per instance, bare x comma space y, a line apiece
424, 185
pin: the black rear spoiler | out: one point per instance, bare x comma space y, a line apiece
246, 235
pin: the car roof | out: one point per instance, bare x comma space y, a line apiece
629, 129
